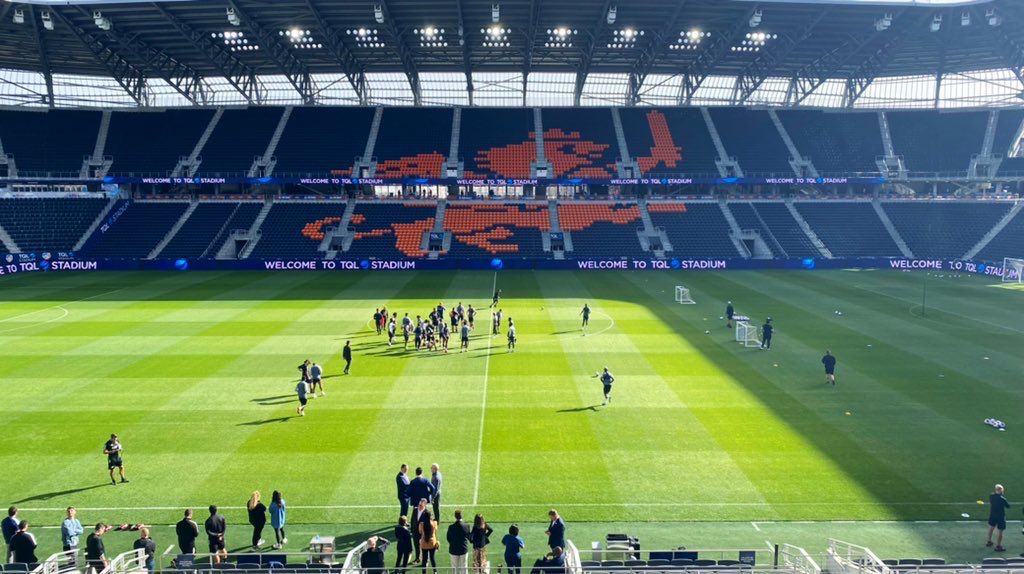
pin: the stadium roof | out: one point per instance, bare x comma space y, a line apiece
187, 44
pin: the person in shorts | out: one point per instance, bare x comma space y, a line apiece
606, 382
301, 389
113, 449
830, 367
316, 379
464, 336
216, 527
997, 506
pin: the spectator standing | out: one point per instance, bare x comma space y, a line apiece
428, 540
257, 517
556, 530
148, 547
70, 531
187, 531
23, 544
419, 514
402, 482
481, 537
458, 544
435, 482
372, 559
403, 538
278, 517
420, 488
95, 552
9, 526
216, 528
997, 505
513, 550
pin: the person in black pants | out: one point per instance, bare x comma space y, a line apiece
403, 538
402, 482
419, 514
187, 531
556, 531
346, 354
829, 361
513, 549
766, 334
257, 518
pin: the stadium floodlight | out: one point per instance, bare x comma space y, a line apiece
47, 20
965, 18
378, 13
755, 18
102, 22
19, 16
233, 18
495, 13
1013, 270
936, 24
993, 17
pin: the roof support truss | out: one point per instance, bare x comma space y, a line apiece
44, 58
240, 75
404, 54
130, 77
588, 53
282, 55
353, 70
704, 64
467, 66
650, 54
768, 59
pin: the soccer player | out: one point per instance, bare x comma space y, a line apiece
830, 367
391, 331
301, 389
304, 370
465, 337
315, 372
346, 353
496, 323
586, 318
428, 334
494, 300
461, 312
997, 505
729, 313
113, 449
376, 320
511, 336
445, 335
454, 317
471, 315
418, 333
606, 381
766, 334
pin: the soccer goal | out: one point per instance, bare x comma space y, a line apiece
683, 296
1013, 270
747, 334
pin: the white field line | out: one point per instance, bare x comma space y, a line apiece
556, 505
940, 309
483, 410
36, 324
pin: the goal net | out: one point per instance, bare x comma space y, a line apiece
1013, 270
747, 334
683, 296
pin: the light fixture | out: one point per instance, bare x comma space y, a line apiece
19, 16
612, 13
233, 18
101, 22
378, 13
965, 18
47, 19
365, 37
495, 13
993, 17
431, 37
689, 39
936, 24
884, 22
560, 37
755, 18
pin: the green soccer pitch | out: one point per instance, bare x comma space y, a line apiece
196, 372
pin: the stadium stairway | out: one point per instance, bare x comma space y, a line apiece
173, 231
252, 236
1006, 237
100, 218
806, 228
848, 228
9, 245
887, 223
944, 230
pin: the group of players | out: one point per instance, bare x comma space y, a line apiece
434, 332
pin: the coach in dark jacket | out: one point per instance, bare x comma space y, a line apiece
556, 531
458, 543
403, 538
187, 531
402, 482
372, 559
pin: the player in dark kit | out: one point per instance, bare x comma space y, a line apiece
418, 334
830, 367
586, 318
376, 320
494, 300
606, 381
304, 370
346, 353
406, 330
997, 517
391, 331
766, 334
445, 335
113, 449
729, 313
471, 315
464, 335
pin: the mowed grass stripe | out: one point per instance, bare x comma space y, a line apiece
648, 414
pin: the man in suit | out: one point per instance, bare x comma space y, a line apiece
458, 544
435, 481
419, 488
402, 482
556, 530
417, 518
372, 559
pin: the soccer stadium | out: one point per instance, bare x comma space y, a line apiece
631, 286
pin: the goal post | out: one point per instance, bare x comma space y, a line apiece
747, 334
1013, 270
683, 296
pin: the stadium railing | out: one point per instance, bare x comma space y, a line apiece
59, 563
797, 559
846, 558
126, 562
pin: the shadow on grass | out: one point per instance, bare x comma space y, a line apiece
349, 541
270, 398
56, 493
266, 421
591, 408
